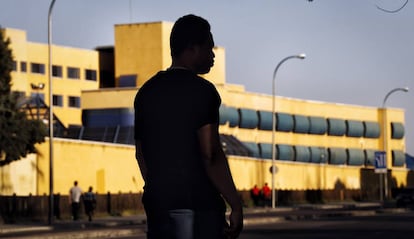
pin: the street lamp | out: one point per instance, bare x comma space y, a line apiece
49, 44
37, 87
385, 136
300, 56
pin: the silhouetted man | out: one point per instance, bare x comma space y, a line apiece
178, 148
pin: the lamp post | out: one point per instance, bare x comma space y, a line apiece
385, 137
37, 87
300, 56
49, 44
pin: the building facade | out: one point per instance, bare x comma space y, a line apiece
318, 145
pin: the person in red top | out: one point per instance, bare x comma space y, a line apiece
267, 194
255, 194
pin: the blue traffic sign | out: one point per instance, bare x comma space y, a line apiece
380, 162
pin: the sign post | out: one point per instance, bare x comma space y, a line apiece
381, 169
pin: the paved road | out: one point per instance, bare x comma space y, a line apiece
329, 221
381, 226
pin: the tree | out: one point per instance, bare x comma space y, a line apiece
18, 134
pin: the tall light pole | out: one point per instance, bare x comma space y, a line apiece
385, 138
300, 56
49, 44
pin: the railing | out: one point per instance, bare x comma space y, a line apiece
35, 208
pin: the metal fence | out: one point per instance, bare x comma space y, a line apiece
35, 208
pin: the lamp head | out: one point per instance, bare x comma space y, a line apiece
302, 56
405, 89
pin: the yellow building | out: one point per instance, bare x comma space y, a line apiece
73, 70
318, 145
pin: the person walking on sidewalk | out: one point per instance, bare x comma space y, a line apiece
75, 194
89, 201
178, 149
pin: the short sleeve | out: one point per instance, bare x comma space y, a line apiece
210, 106
137, 117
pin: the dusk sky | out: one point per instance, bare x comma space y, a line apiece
356, 53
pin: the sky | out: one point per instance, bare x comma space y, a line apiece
356, 53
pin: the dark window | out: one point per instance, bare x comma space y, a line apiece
14, 66
58, 100
74, 101
57, 71
73, 73
37, 68
90, 74
23, 66
127, 81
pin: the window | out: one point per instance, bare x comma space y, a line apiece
37, 68
14, 66
57, 71
23, 66
57, 100
90, 74
73, 73
74, 101
127, 81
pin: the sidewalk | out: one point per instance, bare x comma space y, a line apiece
253, 216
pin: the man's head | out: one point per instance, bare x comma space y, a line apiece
192, 43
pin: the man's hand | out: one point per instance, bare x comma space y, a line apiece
236, 224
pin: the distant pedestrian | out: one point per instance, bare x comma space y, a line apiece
89, 201
255, 195
267, 195
75, 194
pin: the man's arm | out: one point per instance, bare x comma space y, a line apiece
218, 170
140, 158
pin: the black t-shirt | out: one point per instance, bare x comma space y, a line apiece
169, 109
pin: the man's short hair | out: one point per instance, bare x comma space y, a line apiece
187, 31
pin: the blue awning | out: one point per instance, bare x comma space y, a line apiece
285, 152
302, 153
284, 122
318, 155
254, 150
336, 127
229, 114
398, 158
370, 157
301, 124
337, 156
397, 130
265, 120
372, 130
356, 157
265, 150
354, 128
249, 119
318, 125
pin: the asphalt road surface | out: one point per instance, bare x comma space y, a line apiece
382, 226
